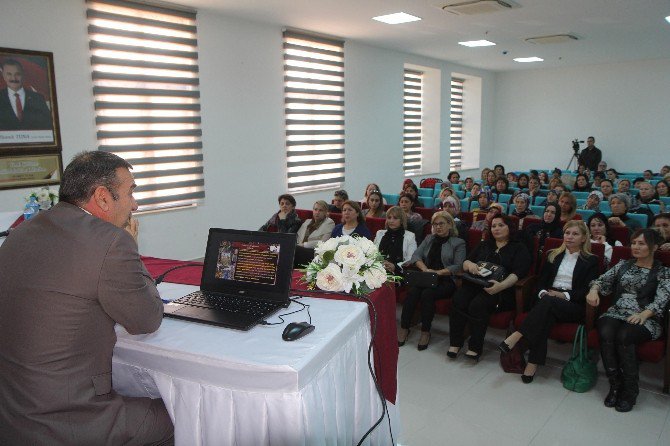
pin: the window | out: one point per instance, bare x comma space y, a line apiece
412, 121
456, 116
314, 109
147, 101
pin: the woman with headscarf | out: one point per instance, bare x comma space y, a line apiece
593, 201
549, 226
522, 208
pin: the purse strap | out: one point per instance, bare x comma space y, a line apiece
579, 338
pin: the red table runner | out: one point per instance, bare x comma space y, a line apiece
383, 299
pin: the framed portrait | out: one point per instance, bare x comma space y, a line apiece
29, 123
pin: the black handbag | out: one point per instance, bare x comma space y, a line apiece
421, 279
487, 271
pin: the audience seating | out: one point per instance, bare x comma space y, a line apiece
425, 202
304, 214
429, 182
581, 195
391, 199
585, 213
621, 234
640, 218
538, 210
425, 192
425, 212
375, 224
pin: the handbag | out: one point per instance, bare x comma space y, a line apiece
513, 361
421, 279
488, 271
579, 373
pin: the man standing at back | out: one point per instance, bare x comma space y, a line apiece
591, 155
66, 277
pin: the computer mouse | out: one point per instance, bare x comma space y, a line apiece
296, 330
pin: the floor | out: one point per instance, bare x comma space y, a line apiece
445, 401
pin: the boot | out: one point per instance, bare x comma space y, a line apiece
614, 377
630, 374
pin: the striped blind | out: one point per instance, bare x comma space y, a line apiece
456, 116
412, 141
144, 61
314, 109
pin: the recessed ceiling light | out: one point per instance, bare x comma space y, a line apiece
396, 18
474, 43
528, 59
667, 19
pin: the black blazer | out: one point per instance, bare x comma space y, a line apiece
586, 270
36, 114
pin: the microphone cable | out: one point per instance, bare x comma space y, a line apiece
160, 278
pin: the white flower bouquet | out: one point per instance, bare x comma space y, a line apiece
45, 197
347, 264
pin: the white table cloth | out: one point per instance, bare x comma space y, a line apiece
229, 387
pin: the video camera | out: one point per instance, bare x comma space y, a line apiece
575, 145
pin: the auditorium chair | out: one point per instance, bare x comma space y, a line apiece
650, 351
304, 214
374, 224
425, 192
425, 212
621, 234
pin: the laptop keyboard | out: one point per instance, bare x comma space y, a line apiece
232, 304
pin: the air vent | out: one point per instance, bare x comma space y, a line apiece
478, 7
556, 38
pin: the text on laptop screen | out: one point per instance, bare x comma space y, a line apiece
248, 262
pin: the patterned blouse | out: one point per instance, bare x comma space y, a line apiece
627, 305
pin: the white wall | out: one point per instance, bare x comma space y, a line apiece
626, 106
242, 112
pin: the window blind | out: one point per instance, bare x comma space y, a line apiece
314, 110
456, 130
144, 61
412, 121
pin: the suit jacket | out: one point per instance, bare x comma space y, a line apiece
452, 253
66, 278
36, 114
321, 234
585, 271
408, 243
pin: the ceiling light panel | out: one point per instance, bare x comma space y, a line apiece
476, 43
528, 59
396, 18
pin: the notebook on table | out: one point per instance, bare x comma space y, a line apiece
246, 278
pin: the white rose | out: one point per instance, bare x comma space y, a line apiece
43, 195
366, 246
350, 277
350, 256
328, 245
374, 277
330, 278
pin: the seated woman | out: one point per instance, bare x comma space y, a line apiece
444, 194
568, 204
607, 189
483, 203
452, 205
511, 177
339, 197
582, 184
536, 196
476, 304
522, 208
411, 189
549, 226
474, 192
501, 187
353, 222
641, 289
600, 233
623, 186
484, 175
286, 220
483, 225
454, 177
407, 202
661, 223
491, 179
552, 197
662, 189
620, 203
562, 287
375, 207
467, 184
593, 201
396, 243
371, 188
316, 229
544, 178
522, 181
443, 253
554, 183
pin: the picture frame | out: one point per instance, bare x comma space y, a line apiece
30, 140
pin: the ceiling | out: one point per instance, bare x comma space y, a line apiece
608, 30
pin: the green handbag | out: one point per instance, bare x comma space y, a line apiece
579, 373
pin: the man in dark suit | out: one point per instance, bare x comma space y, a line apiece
591, 155
21, 109
67, 277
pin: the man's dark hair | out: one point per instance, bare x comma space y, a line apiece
86, 172
12, 62
287, 197
341, 194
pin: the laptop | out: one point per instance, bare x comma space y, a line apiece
246, 278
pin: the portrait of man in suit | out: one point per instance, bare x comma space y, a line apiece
21, 108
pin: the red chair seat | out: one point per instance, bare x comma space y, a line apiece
443, 306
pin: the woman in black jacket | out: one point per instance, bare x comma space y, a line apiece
562, 288
476, 304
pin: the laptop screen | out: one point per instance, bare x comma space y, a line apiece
249, 263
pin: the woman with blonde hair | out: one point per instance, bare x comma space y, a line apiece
442, 253
568, 204
561, 296
396, 243
316, 229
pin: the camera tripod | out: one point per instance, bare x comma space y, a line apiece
574, 158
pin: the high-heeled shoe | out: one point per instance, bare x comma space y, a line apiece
474, 357
401, 343
453, 355
527, 379
423, 346
504, 348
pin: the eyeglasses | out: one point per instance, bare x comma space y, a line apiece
441, 223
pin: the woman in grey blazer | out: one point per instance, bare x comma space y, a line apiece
443, 253
316, 229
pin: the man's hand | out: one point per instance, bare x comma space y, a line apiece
133, 227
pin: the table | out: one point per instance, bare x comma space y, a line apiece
383, 299
225, 386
